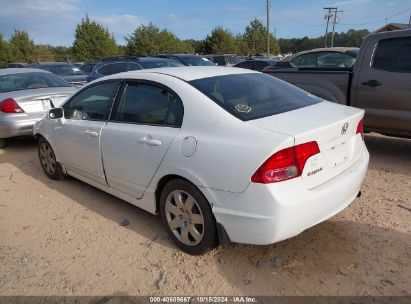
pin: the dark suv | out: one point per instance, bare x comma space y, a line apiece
188, 59
114, 65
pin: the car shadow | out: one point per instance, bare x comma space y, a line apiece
88, 196
389, 154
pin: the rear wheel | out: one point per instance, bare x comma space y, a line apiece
188, 217
48, 160
2, 143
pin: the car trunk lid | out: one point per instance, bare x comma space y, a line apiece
332, 126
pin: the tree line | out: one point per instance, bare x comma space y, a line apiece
93, 42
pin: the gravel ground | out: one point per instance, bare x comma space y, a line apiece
67, 238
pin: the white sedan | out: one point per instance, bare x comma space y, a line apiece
222, 154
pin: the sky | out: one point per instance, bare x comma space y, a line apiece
54, 21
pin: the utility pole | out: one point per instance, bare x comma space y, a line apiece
409, 23
334, 22
328, 16
268, 28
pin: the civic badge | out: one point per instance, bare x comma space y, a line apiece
344, 128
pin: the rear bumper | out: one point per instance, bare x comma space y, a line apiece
15, 128
266, 214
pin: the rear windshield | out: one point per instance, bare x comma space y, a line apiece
26, 81
196, 61
254, 95
159, 64
62, 70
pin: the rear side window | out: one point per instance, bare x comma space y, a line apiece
305, 61
148, 104
245, 65
93, 103
393, 55
253, 96
334, 60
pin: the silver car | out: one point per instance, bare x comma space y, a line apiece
25, 96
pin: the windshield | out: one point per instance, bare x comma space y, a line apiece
62, 69
26, 81
196, 61
159, 64
254, 95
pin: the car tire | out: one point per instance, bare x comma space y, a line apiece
188, 218
2, 143
48, 160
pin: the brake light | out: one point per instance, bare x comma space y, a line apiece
267, 69
360, 128
285, 164
9, 105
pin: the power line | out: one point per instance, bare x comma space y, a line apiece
349, 24
380, 20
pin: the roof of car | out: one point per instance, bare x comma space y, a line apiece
52, 63
9, 71
331, 49
186, 73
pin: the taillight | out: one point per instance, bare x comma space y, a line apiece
267, 69
9, 105
285, 164
360, 128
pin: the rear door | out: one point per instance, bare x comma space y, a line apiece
145, 119
383, 84
78, 133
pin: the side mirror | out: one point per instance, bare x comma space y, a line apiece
56, 113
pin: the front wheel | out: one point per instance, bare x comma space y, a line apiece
48, 160
188, 218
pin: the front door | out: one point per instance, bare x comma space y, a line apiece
78, 133
383, 87
144, 122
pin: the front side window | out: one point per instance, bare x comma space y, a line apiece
245, 65
219, 60
143, 103
105, 69
92, 103
393, 55
254, 95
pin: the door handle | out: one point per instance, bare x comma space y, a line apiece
372, 83
91, 133
149, 142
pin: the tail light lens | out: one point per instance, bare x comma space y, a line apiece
268, 69
285, 164
360, 128
9, 105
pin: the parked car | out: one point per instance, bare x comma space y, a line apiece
223, 154
87, 67
114, 65
340, 58
379, 83
224, 59
255, 64
65, 70
17, 65
188, 59
25, 96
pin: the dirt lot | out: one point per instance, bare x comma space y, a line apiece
65, 238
